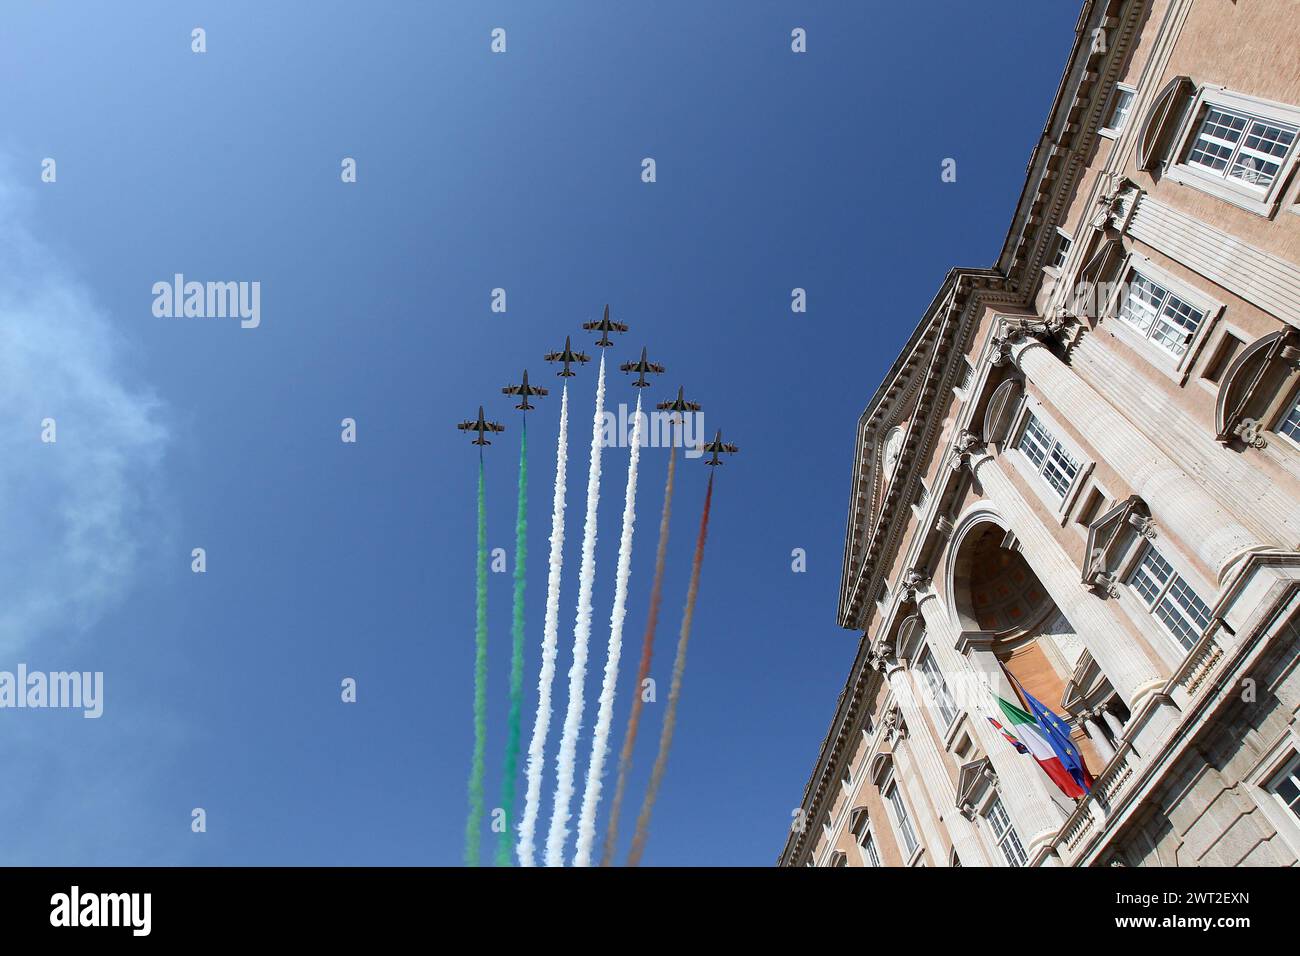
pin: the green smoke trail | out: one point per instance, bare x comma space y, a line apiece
475, 820
516, 658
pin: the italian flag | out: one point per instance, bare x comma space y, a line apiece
1027, 730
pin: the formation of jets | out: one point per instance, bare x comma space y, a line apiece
718, 446
568, 357
641, 368
481, 427
604, 327
523, 391
679, 404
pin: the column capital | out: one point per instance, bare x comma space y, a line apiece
1019, 334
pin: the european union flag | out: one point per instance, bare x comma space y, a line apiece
1057, 733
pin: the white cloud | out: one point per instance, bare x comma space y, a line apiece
72, 513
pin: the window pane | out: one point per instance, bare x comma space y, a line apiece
1048, 457
1290, 425
1179, 608
1239, 146
1119, 114
1217, 139
939, 691
1142, 303
1150, 575
1185, 614
1176, 324
905, 833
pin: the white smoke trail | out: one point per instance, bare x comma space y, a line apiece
565, 761
605, 715
550, 638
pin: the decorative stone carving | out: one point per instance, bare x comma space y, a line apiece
1251, 432
914, 581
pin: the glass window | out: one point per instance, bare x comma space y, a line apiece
1286, 787
902, 821
1170, 598
1158, 314
868, 846
1290, 425
1063, 244
938, 691
1241, 147
1004, 834
1048, 456
1120, 106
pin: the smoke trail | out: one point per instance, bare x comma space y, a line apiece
517, 651
564, 762
674, 693
475, 820
605, 714
550, 637
643, 670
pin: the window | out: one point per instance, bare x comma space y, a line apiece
902, 822
839, 858
1229, 346
938, 690
1170, 598
1290, 423
967, 375
1048, 456
1286, 787
1158, 314
1120, 105
1004, 834
870, 857
1240, 146
1063, 243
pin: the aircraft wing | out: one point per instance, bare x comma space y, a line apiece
655, 367
494, 427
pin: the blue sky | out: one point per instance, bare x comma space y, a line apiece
326, 560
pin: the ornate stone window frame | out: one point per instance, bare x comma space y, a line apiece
1257, 390
1258, 783
1243, 195
1058, 507
1105, 129
1176, 368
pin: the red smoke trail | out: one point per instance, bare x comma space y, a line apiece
674, 693
643, 671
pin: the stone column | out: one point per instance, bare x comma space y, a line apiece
1113, 722
930, 762
1021, 782
1177, 501
1104, 750
1264, 505
1125, 664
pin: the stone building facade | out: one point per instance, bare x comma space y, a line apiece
1083, 471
